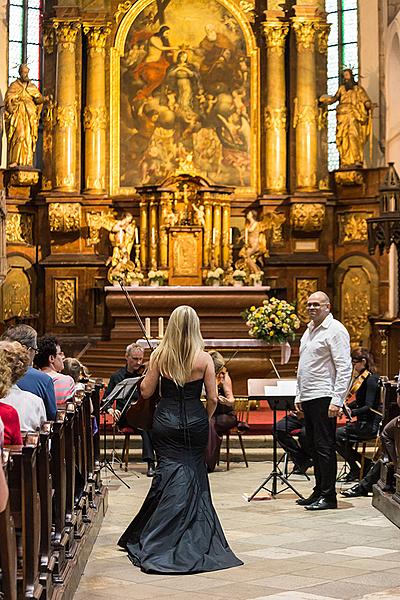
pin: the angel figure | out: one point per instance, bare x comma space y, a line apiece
199, 217
256, 242
122, 237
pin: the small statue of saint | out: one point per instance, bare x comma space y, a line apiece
122, 237
255, 243
23, 104
353, 120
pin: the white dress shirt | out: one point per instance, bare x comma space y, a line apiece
325, 366
30, 408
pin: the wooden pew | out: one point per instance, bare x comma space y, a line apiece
8, 553
60, 536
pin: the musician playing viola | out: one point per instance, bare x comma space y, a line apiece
134, 367
362, 405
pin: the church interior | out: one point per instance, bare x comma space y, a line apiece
109, 194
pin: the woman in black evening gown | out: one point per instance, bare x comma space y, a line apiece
177, 529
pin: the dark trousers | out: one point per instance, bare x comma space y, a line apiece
299, 452
147, 447
346, 439
321, 433
371, 477
387, 438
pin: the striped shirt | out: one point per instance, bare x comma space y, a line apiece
64, 387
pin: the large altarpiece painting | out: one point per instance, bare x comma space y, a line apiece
184, 79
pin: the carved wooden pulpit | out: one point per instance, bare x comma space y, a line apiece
185, 255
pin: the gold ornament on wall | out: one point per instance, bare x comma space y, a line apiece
323, 30
248, 7
64, 217
66, 116
95, 117
48, 38
275, 118
65, 301
274, 222
304, 114
66, 32
305, 33
16, 294
356, 304
304, 288
19, 228
96, 37
275, 35
122, 9
307, 217
353, 227
97, 221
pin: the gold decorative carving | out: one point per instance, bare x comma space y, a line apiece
305, 33
48, 38
307, 217
323, 30
22, 178
66, 32
64, 217
95, 117
275, 35
356, 305
66, 116
97, 221
123, 8
16, 291
249, 8
65, 301
306, 114
3, 236
304, 288
19, 228
353, 227
352, 177
185, 255
96, 37
275, 118
274, 222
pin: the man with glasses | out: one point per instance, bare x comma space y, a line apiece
33, 381
50, 359
323, 377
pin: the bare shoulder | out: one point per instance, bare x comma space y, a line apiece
202, 361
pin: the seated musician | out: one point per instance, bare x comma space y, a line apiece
133, 368
224, 415
365, 407
298, 451
30, 408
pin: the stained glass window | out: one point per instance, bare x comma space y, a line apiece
342, 53
24, 38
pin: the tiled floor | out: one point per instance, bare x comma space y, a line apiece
289, 553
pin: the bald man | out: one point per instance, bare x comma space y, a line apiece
323, 378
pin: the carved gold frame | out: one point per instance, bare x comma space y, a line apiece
117, 51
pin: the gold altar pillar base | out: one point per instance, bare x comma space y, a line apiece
347, 177
20, 181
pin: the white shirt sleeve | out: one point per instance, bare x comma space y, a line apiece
340, 351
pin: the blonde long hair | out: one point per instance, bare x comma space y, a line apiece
180, 345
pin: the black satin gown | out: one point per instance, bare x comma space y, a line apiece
177, 529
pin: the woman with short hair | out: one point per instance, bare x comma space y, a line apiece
177, 529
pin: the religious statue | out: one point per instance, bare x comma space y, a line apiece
353, 120
199, 215
255, 244
122, 238
23, 104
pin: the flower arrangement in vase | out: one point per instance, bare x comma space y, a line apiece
214, 276
156, 277
256, 278
275, 321
239, 277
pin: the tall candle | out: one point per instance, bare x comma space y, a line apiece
147, 326
160, 327
136, 235
230, 235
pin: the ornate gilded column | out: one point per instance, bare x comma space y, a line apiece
275, 112
164, 208
95, 113
216, 234
305, 119
65, 115
207, 233
153, 234
226, 223
143, 234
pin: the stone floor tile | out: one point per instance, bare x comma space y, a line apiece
343, 590
362, 551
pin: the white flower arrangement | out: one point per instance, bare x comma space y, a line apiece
239, 275
159, 276
256, 277
215, 274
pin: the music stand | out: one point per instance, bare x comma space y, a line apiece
276, 402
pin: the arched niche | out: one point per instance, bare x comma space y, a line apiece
356, 293
199, 99
16, 291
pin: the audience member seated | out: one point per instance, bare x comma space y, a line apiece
299, 451
30, 408
365, 407
50, 359
134, 355
3, 483
75, 369
10, 433
33, 381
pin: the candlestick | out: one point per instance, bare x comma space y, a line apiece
160, 327
136, 235
147, 326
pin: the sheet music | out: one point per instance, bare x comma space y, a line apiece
283, 387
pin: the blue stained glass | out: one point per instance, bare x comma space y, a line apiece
33, 34
331, 5
349, 4
33, 60
16, 23
350, 26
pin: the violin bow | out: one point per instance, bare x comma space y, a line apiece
135, 312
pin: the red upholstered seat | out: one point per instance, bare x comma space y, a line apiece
129, 430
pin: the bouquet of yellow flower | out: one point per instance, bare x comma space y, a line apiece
275, 321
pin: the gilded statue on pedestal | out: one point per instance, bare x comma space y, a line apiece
23, 104
255, 244
353, 120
